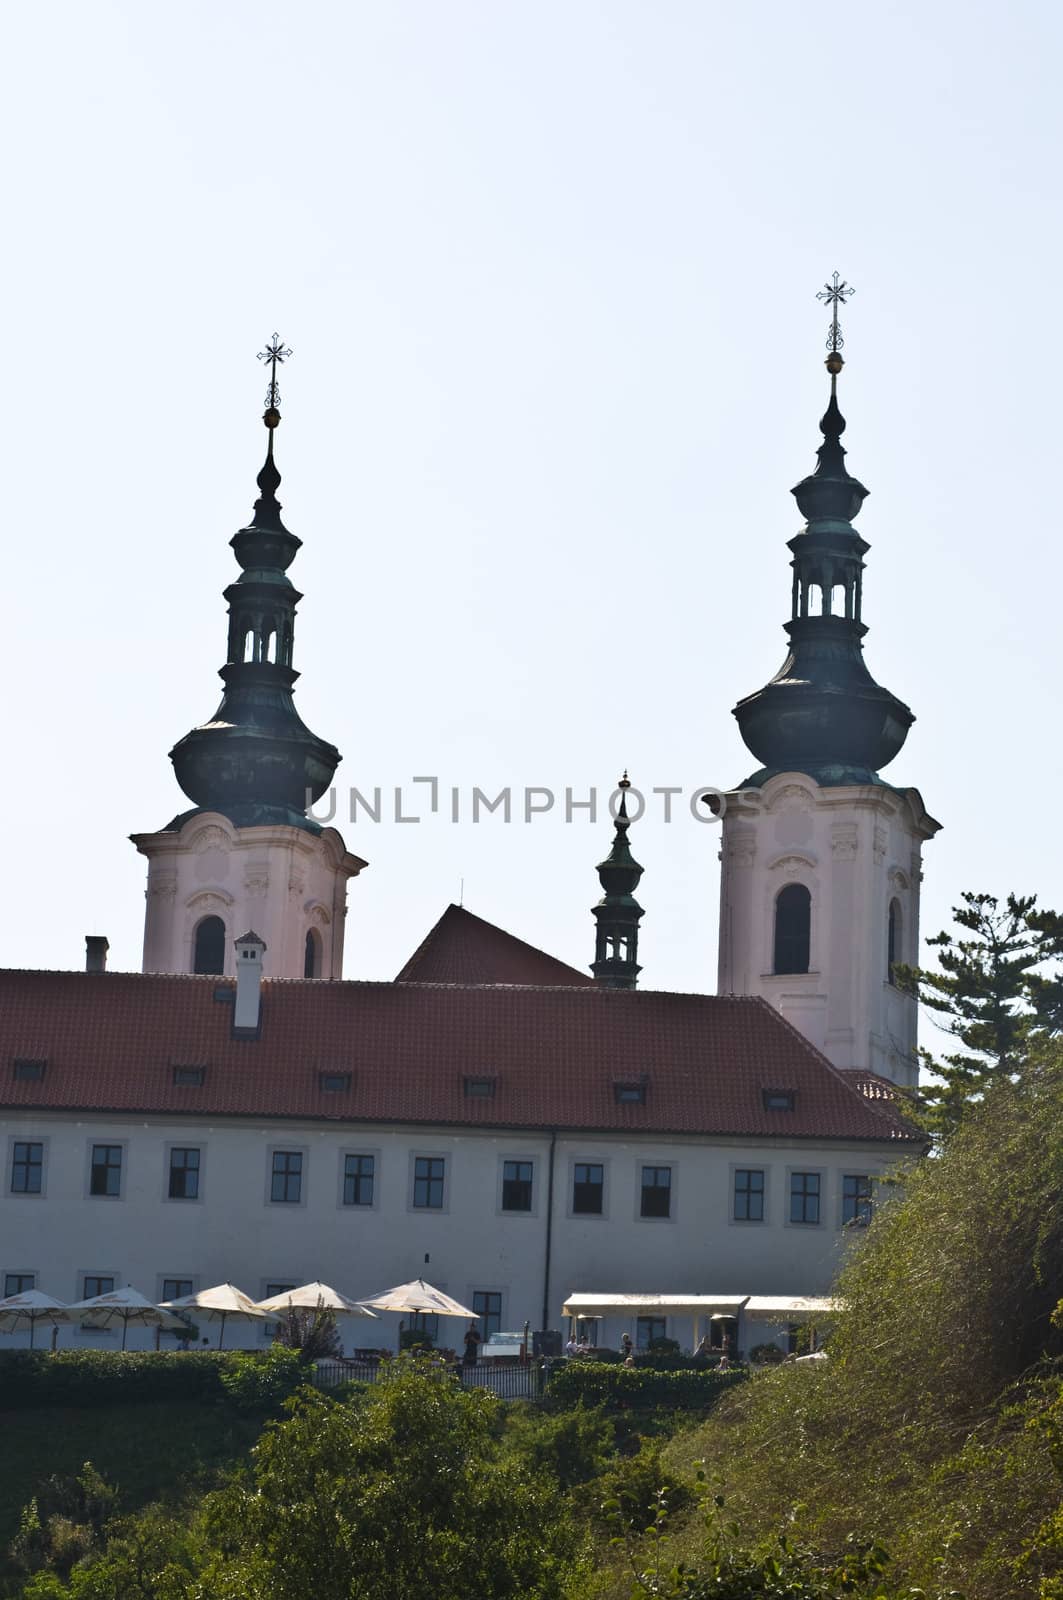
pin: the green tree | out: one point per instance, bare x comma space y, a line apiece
402, 1492
991, 992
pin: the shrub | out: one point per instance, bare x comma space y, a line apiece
579, 1382
639, 1486
31, 1378
571, 1446
313, 1332
766, 1355
262, 1383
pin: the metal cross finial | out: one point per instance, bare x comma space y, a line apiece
276, 352
835, 294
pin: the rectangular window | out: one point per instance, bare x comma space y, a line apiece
176, 1288
649, 1328
856, 1199
106, 1177
749, 1194
358, 1176
656, 1192
479, 1088
270, 1330
92, 1285
516, 1186
286, 1185
184, 1173
27, 1167
629, 1094
188, 1077
30, 1071
19, 1282
488, 1307
588, 1186
804, 1197
428, 1176
334, 1082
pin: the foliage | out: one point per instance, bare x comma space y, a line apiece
593, 1383
30, 1378
404, 1493
413, 1340
768, 1355
254, 1382
571, 1447
63, 1521
311, 1331
919, 1426
637, 1488
153, 1556
992, 993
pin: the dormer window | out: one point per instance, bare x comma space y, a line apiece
480, 1088
779, 1099
334, 1082
29, 1071
629, 1094
188, 1077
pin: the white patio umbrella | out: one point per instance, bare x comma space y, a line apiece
220, 1303
418, 1296
125, 1306
310, 1295
31, 1306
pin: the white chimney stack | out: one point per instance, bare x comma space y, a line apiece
249, 952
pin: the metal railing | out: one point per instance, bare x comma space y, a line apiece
509, 1382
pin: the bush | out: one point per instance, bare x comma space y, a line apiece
311, 1331
586, 1383
766, 1355
571, 1446
638, 1487
31, 1378
256, 1383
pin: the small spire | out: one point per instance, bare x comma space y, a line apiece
618, 913
267, 507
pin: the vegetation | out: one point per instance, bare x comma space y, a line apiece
594, 1383
995, 991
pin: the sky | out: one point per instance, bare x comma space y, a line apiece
549, 274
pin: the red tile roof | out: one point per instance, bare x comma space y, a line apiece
462, 948
111, 1042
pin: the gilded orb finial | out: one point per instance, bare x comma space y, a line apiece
834, 294
276, 352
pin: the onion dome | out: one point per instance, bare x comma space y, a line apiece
823, 713
256, 761
618, 913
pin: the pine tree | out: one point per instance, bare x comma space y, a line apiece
991, 992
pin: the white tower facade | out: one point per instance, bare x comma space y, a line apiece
821, 858
209, 881
847, 864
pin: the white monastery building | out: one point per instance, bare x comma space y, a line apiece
493, 1120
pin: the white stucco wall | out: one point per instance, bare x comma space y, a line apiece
855, 849
234, 1232
278, 881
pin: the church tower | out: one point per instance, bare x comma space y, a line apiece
821, 858
247, 855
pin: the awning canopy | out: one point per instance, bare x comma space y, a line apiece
789, 1307
642, 1305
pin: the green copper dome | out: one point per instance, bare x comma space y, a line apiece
823, 713
256, 761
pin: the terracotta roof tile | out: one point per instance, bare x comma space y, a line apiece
111, 1041
463, 948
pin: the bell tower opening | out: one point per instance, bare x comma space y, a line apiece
793, 929
208, 950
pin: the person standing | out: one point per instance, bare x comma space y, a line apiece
472, 1345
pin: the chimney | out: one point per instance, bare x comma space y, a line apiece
249, 952
96, 948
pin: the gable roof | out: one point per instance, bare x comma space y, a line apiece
463, 948
404, 1053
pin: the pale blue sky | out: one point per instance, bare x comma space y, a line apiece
549, 275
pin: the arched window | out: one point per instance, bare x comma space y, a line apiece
208, 954
793, 925
312, 958
893, 940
